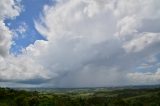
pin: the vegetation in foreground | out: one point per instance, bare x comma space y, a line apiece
119, 97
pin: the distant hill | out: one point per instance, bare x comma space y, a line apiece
100, 96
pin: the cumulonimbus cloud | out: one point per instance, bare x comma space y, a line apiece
94, 42
98, 39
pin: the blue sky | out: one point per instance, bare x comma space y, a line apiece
30, 12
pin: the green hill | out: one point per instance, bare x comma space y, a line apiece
82, 97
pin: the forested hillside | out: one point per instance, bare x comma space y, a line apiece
121, 97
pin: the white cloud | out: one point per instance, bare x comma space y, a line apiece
5, 39
145, 77
89, 43
20, 68
8, 9
99, 34
19, 32
142, 41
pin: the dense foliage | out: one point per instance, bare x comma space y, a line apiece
122, 97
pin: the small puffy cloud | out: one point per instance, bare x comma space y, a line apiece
19, 32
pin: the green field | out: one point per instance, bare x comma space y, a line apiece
80, 97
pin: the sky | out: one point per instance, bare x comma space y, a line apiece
79, 43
